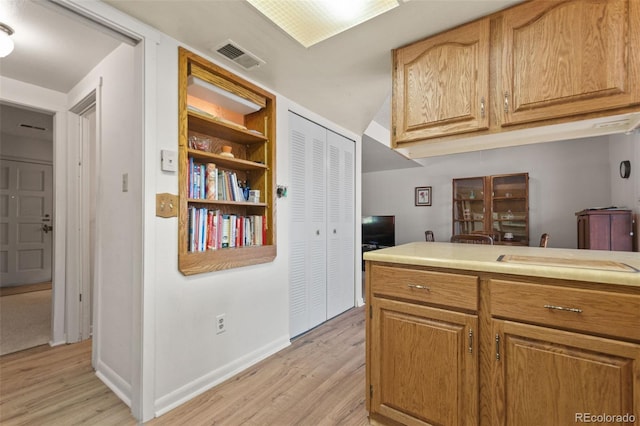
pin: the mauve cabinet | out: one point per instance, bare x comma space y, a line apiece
605, 230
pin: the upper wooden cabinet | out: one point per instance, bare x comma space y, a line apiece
535, 64
568, 58
441, 85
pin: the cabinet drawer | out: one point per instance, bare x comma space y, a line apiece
600, 312
452, 290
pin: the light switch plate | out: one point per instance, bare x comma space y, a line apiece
166, 205
168, 160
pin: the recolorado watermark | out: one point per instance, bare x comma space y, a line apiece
605, 418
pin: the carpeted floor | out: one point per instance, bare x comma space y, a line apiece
25, 321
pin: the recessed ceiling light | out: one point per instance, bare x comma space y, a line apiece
310, 22
6, 44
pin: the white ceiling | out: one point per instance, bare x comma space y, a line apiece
346, 78
52, 49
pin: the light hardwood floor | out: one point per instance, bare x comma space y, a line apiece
318, 380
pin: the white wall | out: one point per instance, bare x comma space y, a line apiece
26, 148
625, 192
189, 356
564, 177
119, 151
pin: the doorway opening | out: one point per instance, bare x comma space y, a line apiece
26, 228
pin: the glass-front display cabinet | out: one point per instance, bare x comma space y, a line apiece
510, 208
493, 205
469, 205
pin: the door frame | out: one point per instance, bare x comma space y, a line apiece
80, 277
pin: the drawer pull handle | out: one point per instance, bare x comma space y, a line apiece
419, 287
562, 308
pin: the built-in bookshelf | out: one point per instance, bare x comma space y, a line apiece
226, 169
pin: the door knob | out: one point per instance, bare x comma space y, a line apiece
46, 228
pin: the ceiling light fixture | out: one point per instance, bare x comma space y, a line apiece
310, 22
6, 44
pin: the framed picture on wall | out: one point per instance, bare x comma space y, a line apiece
423, 196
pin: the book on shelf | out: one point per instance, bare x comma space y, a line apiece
210, 229
226, 230
202, 181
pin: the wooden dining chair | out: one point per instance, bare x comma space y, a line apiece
428, 236
544, 240
472, 239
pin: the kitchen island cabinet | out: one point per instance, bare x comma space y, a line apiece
501, 335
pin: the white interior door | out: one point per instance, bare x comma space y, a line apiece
26, 195
341, 224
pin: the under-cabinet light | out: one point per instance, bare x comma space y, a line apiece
215, 95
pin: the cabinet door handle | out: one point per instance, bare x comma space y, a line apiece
498, 347
470, 341
419, 287
506, 101
562, 308
482, 112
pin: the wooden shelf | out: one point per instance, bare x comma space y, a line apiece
226, 258
225, 202
202, 124
226, 162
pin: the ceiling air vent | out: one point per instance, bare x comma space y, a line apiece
29, 126
240, 56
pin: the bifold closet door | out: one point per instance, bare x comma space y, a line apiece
340, 224
308, 249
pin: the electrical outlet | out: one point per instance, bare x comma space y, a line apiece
221, 324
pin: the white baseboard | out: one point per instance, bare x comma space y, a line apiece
116, 383
217, 376
58, 343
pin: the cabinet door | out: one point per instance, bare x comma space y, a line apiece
469, 206
308, 251
622, 232
555, 378
510, 208
341, 224
441, 84
568, 58
423, 364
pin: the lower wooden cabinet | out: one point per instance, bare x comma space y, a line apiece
425, 365
455, 347
550, 377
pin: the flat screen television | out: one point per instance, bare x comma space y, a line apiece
379, 231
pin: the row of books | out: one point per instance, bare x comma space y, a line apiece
212, 230
207, 182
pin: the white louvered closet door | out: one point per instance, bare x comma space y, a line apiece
308, 250
341, 224
322, 258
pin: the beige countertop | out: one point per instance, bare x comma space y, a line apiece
611, 267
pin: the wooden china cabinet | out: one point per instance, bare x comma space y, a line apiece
493, 205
